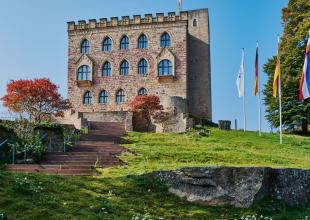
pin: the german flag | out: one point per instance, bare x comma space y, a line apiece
276, 74
256, 83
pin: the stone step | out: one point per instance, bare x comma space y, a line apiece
53, 171
79, 157
100, 147
48, 166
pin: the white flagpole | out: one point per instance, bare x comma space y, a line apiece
259, 100
244, 110
280, 93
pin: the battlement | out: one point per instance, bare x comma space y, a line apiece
126, 20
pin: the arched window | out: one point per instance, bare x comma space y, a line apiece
83, 73
85, 47
87, 99
120, 96
165, 40
142, 41
124, 68
124, 44
107, 44
195, 23
142, 91
143, 67
165, 68
103, 97
106, 69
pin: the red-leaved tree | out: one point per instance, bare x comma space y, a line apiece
145, 106
39, 98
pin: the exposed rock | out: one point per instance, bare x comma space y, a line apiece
238, 186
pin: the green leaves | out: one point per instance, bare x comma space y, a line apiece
296, 21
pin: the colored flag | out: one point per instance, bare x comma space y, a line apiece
256, 85
240, 77
276, 74
304, 90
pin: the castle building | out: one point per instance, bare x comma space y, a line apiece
110, 62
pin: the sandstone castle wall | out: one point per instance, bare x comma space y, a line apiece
189, 53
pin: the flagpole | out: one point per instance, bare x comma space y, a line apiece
244, 110
259, 104
280, 93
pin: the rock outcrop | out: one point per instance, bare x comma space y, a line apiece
238, 186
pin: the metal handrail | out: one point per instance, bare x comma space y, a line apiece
25, 149
4, 142
69, 138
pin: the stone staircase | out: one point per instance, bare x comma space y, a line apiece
99, 148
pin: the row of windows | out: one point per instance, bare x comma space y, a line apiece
104, 96
125, 44
164, 69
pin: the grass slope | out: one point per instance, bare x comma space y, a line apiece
234, 148
129, 192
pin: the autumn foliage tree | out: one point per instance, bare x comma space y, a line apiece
38, 98
145, 106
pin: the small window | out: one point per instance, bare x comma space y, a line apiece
143, 67
124, 68
120, 96
103, 97
142, 91
85, 47
165, 68
83, 73
124, 44
106, 69
87, 100
107, 44
165, 40
195, 23
142, 42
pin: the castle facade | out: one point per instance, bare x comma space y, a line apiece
110, 62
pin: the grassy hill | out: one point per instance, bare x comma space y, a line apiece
130, 191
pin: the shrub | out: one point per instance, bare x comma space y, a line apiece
46, 126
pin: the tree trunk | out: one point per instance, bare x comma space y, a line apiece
304, 126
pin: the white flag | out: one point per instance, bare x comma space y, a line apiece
240, 78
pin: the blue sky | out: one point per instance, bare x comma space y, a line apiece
33, 41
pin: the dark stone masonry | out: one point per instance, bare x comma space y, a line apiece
238, 186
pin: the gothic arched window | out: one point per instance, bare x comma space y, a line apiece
106, 69
87, 99
124, 43
124, 68
103, 97
165, 68
85, 47
165, 40
142, 91
142, 41
107, 44
120, 96
83, 73
143, 67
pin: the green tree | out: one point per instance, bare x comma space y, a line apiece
296, 114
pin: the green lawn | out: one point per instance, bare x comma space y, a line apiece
130, 192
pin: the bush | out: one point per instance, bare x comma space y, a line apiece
33, 146
46, 126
